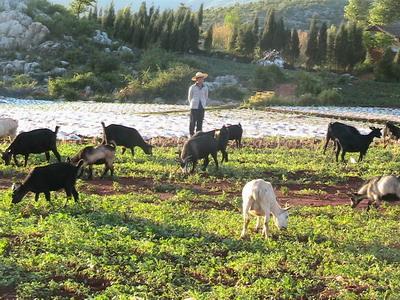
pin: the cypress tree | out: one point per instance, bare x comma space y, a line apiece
312, 45
279, 39
385, 67
294, 46
330, 51
200, 15
233, 39
209, 38
109, 18
267, 36
255, 27
396, 66
341, 47
322, 44
246, 41
94, 13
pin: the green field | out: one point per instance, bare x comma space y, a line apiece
156, 234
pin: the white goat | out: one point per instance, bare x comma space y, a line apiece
8, 127
259, 200
375, 189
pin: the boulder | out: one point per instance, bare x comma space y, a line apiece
58, 71
124, 49
17, 30
19, 67
102, 38
19, 5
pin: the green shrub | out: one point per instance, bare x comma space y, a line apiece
384, 69
267, 77
170, 84
228, 92
309, 84
70, 87
23, 81
104, 62
156, 59
330, 96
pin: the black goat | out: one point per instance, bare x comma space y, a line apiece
126, 137
391, 131
222, 138
356, 143
235, 133
336, 130
48, 178
198, 147
100, 155
35, 141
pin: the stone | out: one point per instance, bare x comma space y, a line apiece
102, 38
17, 30
58, 71
19, 5
64, 63
124, 49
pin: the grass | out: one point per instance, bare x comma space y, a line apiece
137, 243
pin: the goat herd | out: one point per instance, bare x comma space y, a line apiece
258, 195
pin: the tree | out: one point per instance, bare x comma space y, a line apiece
357, 11
396, 66
279, 36
232, 18
330, 51
233, 39
356, 49
109, 18
322, 43
384, 69
80, 6
341, 47
209, 38
384, 11
312, 45
256, 26
246, 40
267, 36
200, 15
294, 47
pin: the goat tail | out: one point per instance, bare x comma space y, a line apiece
56, 130
104, 125
240, 125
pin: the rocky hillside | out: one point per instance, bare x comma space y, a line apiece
296, 13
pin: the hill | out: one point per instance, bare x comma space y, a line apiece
296, 13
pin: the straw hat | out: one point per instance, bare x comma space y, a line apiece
198, 75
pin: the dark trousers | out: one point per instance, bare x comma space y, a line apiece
196, 120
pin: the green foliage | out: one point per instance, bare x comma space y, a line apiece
109, 18
23, 81
80, 6
169, 84
267, 77
228, 92
233, 39
309, 84
384, 11
200, 14
322, 44
101, 62
384, 70
69, 88
268, 34
156, 59
232, 18
357, 11
312, 45
168, 241
208, 39
246, 39
330, 96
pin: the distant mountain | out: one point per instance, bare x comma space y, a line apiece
296, 13
163, 4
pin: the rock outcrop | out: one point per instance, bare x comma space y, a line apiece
18, 30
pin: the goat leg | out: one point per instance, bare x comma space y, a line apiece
16, 160
26, 160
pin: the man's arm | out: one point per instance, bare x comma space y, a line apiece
190, 94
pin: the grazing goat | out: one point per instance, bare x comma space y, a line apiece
35, 141
103, 154
8, 127
235, 133
259, 200
48, 178
221, 136
356, 143
376, 189
126, 137
391, 131
198, 147
336, 130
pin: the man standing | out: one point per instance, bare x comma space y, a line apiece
197, 97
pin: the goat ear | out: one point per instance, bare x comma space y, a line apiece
15, 186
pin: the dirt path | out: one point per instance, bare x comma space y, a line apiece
288, 194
